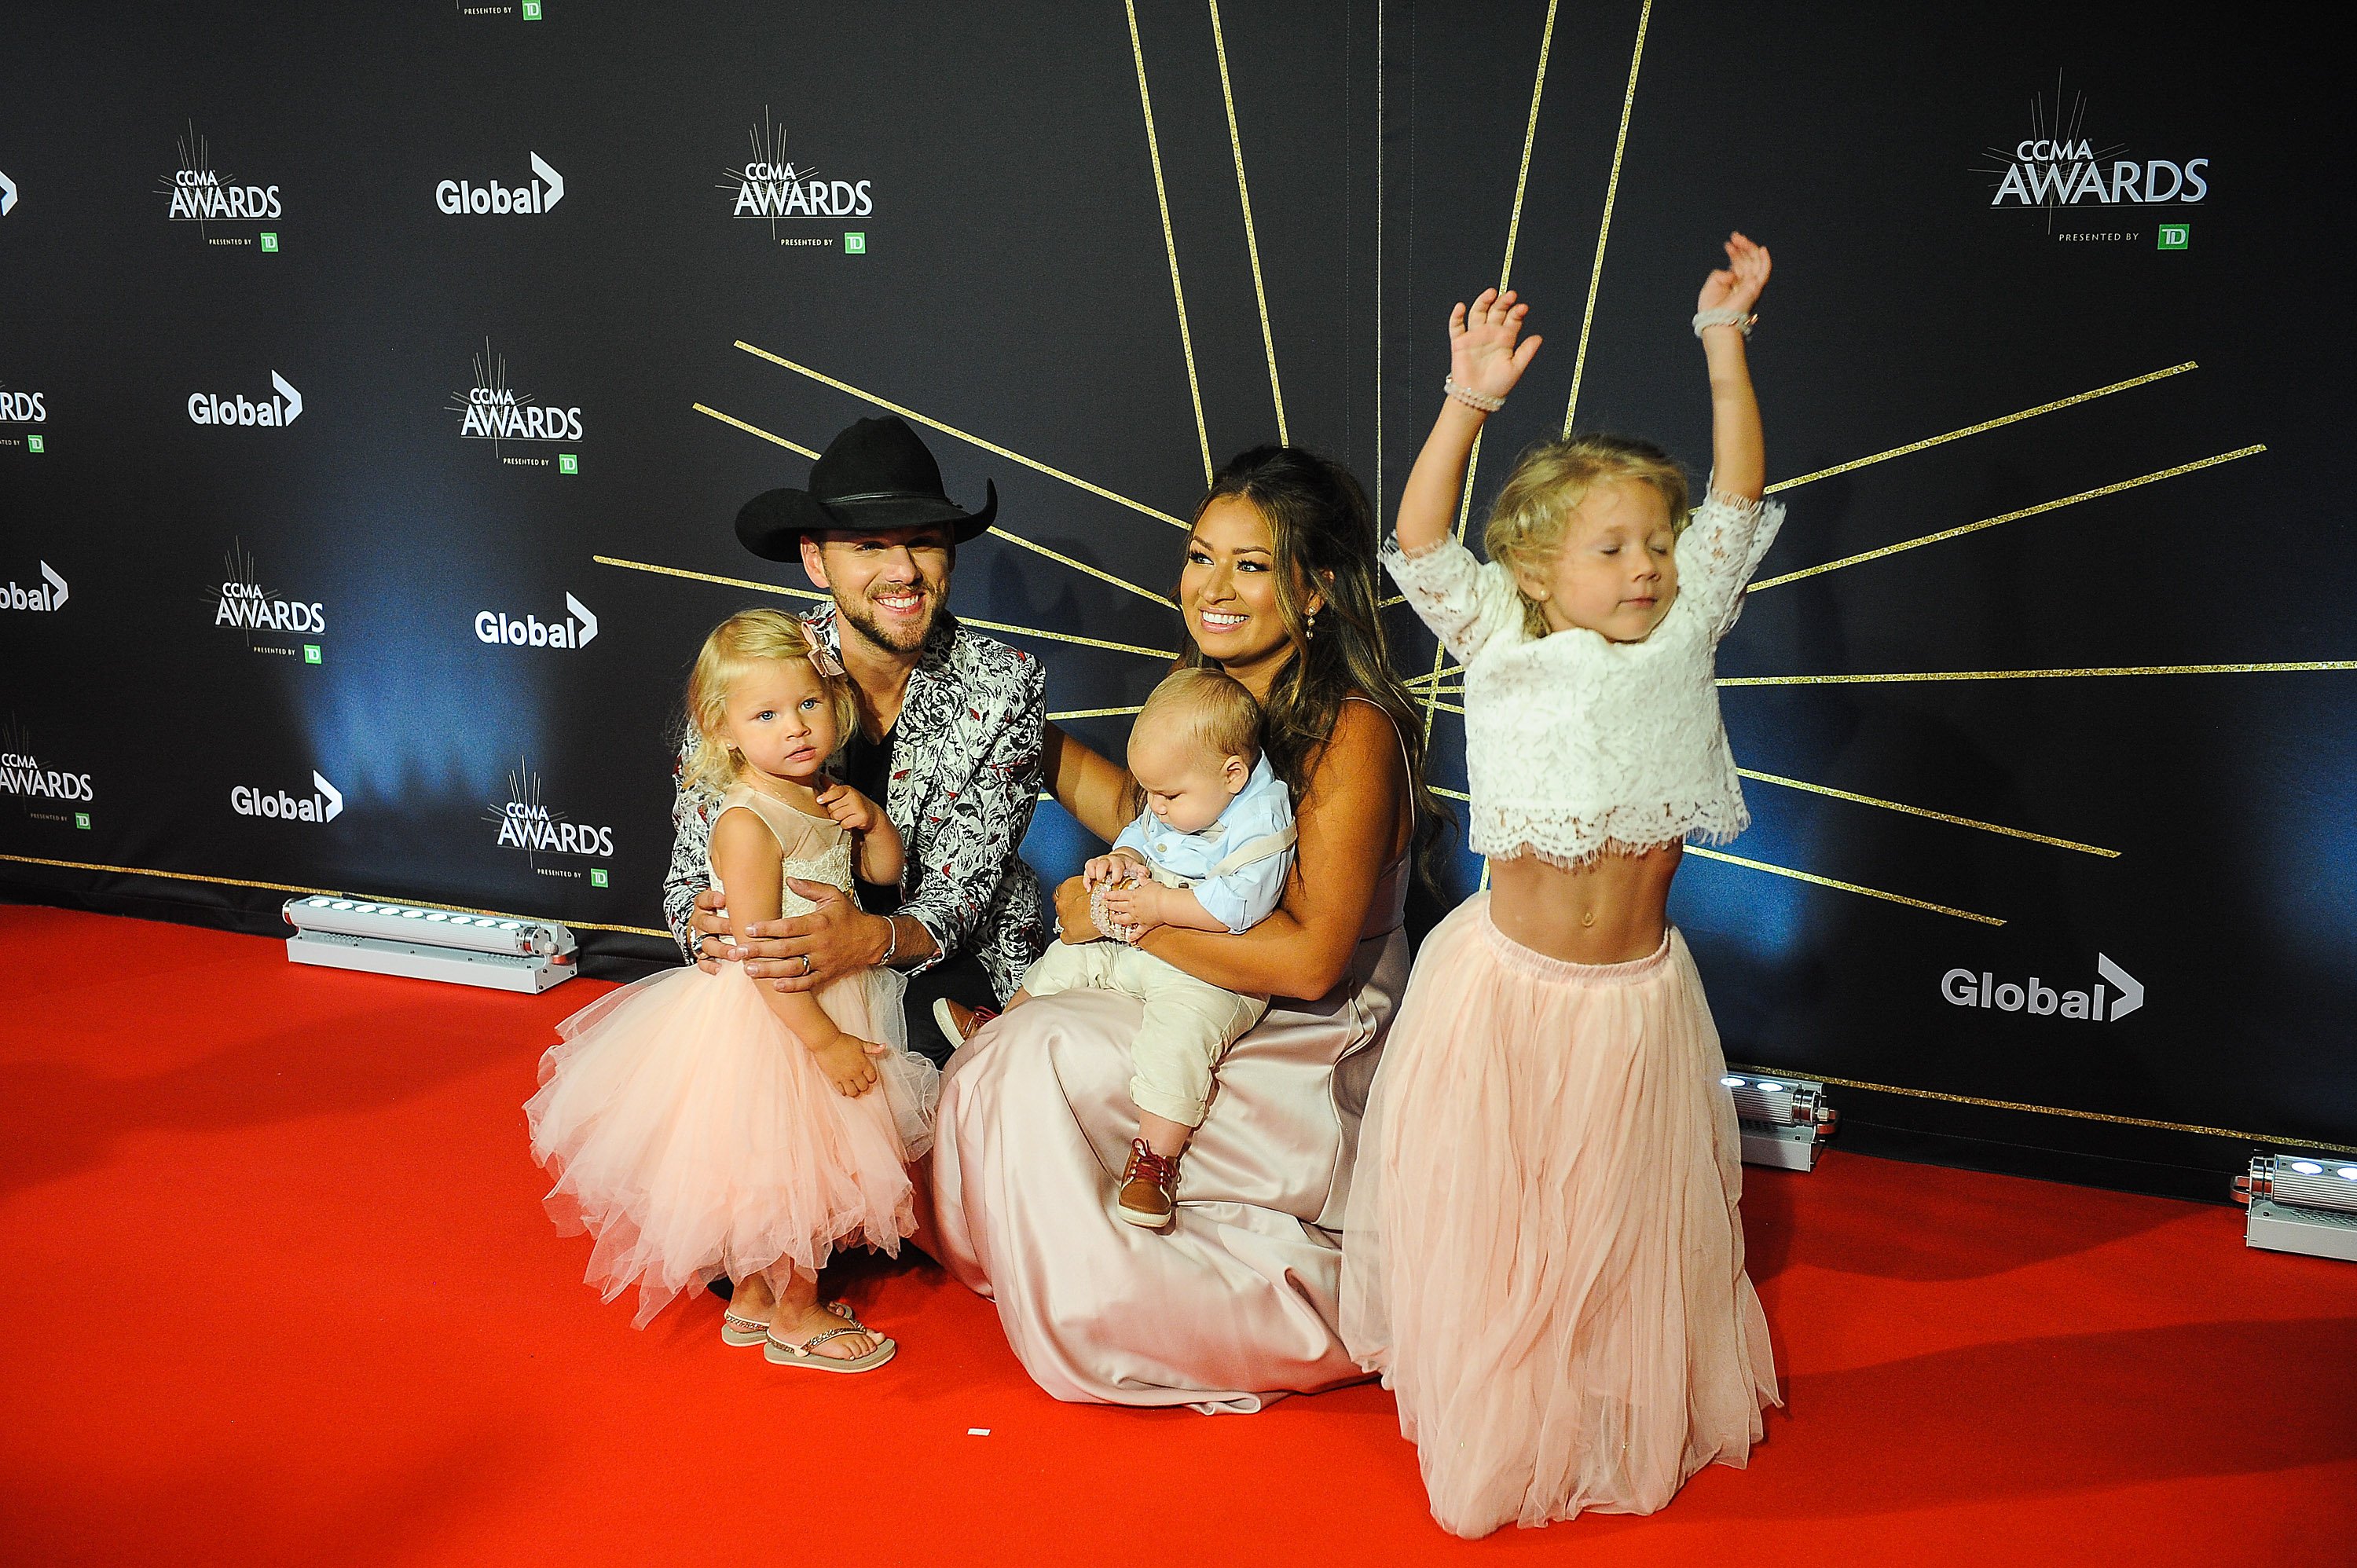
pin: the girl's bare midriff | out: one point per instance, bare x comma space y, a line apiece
1613, 910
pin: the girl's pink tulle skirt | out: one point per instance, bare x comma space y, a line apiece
692, 1135
1542, 1256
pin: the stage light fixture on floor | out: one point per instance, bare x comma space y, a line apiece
1783, 1118
2301, 1203
503, 952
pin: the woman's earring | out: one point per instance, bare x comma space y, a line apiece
1309, 633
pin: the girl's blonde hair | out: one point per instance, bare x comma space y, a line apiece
1527, 524
744, 640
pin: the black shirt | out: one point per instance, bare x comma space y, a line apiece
867, 768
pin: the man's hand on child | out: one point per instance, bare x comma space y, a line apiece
1483, 354
1738, 285
852, 811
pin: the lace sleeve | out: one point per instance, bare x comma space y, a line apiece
1465, 601
1720, 549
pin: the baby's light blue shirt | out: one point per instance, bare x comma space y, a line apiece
1243, 897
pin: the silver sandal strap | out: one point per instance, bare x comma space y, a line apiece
810, 1346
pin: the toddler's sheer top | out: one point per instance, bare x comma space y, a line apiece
1577, 746
814, 849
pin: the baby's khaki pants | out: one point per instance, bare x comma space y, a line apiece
1189, 1022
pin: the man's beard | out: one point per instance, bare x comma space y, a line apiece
857, 617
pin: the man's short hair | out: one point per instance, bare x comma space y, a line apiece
1212, 707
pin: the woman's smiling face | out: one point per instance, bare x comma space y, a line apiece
1228, 592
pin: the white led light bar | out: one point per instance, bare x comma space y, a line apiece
502, 952
2301, 1203
1783, 1118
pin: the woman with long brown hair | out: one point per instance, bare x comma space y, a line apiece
1237, 1302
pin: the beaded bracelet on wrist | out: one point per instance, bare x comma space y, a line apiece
1725, 316
1470, 398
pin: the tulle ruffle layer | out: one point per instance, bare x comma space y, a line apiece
692, 1134
1544, 1257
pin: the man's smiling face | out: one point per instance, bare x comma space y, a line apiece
887, 584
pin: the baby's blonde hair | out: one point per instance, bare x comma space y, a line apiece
1212, 706
743, 641
1527, 524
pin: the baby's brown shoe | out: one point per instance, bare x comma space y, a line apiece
1147, 1183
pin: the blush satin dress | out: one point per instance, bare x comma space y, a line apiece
1237, 1302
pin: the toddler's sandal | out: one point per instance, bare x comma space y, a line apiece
786, 1353
742, 1331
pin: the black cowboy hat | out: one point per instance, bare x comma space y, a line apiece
876, 475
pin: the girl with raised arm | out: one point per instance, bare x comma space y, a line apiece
1544, 1257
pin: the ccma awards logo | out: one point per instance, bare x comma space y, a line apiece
2059, 166
769, 186
492, 410
242, 602
524, 822
196, 193
457, 196
24, 774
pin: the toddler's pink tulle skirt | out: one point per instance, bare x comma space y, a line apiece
1543, 1255
692, 1135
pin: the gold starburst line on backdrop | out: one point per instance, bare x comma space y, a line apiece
1007, 627
1947, 533
1835, 882
1914, 447
320, 892
1604, 229
1099, 573
1903, 677
966, 436
755, 430
1505, 273
1170, 240
1927, 811
2061, 1111
1094, 714
1251, 238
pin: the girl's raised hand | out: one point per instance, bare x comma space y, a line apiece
1737, 287
1483, 354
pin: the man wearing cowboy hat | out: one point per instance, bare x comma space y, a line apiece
949, 740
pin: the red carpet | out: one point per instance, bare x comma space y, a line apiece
283, 1293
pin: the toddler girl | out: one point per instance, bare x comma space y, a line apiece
1210, 851
1544, 1257
701, 1124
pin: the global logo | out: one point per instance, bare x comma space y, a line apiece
46, 594
769, 186
274, 412
492, 410
242, 601
324, 804
8, 196
579, 630
1966, 988
457, 196
2059, 166
525, 823
198, 194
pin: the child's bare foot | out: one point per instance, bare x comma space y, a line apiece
798, 1325
745, 1321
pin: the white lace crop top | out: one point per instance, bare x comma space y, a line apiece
1575, 745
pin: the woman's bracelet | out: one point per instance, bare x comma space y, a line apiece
1726, 315
1470, 398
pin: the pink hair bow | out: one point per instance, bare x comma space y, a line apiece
827, 665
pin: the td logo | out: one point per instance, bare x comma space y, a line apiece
1963, 988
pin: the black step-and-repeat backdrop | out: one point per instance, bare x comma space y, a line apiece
377, 386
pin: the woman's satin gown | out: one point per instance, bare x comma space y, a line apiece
1235, 1304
